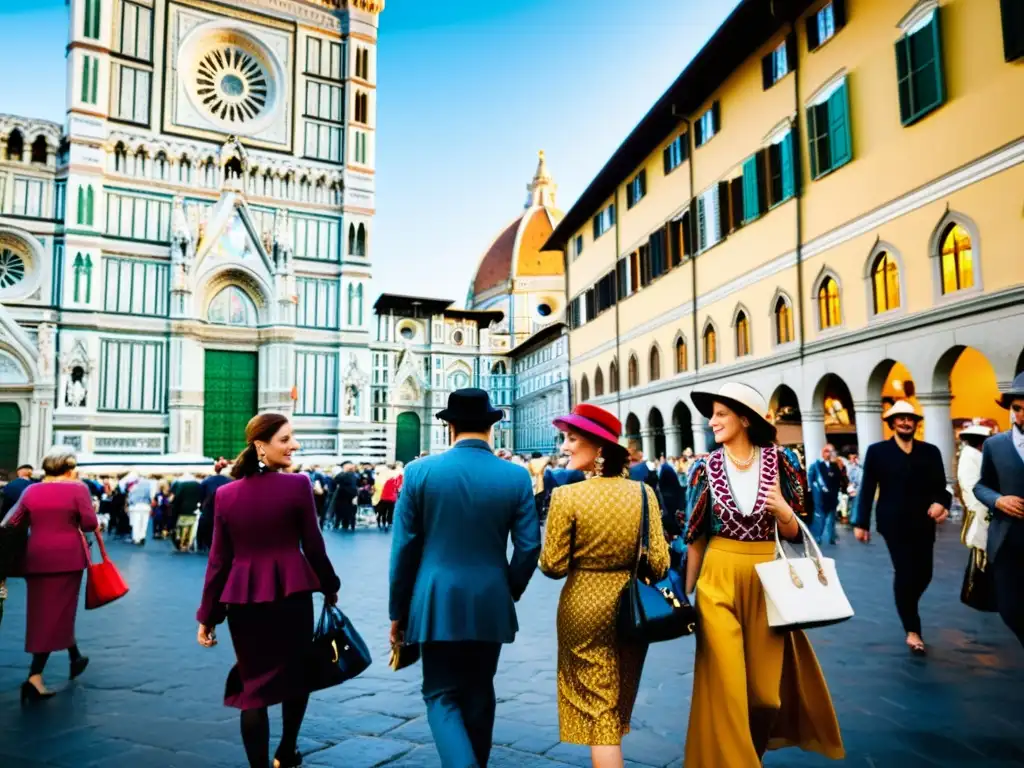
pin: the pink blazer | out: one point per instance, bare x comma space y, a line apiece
267, 544
57, 513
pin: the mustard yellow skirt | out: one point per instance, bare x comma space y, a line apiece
754, 689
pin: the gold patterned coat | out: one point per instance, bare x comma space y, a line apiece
592, 530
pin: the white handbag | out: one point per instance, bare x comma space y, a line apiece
977, 533
802, 592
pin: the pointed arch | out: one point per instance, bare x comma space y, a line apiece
741, 330
827, 298
633, 371
781, 309
359, 304
884, 273
15, 145
709, 342
39, 150
232, 306
613, 376
598, 382
681, 353
360, 240
955, 247
350, 305
654, 363
351, 239
584, 389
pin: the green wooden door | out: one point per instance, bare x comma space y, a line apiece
407, 437
230, 395
10, 438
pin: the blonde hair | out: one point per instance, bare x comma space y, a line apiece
60, 460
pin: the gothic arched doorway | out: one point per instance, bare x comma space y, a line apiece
407, 437
10, 438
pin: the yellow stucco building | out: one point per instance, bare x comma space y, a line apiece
827, 204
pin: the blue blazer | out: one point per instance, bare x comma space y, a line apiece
451, 579
824, 489
1002, 474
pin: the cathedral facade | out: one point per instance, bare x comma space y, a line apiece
193, 245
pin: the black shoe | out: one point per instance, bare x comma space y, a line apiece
30, 693
293, 760
78, 666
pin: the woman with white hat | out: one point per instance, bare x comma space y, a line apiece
754, 689
968, 473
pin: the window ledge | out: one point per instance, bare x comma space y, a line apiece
963, 293
835, 330
831, 170
889, 314
784, 345
917, 117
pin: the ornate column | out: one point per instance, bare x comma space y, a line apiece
700, 443
938, 426
673, 440
813, 424
869, 424
650, 449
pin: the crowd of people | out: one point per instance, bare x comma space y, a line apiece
712, 519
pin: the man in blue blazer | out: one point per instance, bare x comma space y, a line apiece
825, 480
453, 588
1001, 489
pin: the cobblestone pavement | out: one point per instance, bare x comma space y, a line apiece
152, 696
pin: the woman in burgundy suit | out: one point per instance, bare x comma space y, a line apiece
56, 510
262, 582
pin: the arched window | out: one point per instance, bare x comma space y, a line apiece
829, 315
783, 321
885, 283
319, 195
209, 174
268, 184
584, 389
185, 170
742, 334
15, 145
304, 187
361, 107
140, 162
120, 158
957, 259
710, 345
286, 187
598, 382
499, 369
39, 150
613, 377
160, 167
654, 364
682, 363
232, 306
351, 239
233, 169
360, 241
633, 372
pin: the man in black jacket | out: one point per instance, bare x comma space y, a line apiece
346, 496
912, 499
13, 490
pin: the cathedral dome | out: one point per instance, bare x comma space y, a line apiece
516, 251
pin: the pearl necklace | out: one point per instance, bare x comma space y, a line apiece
745, 464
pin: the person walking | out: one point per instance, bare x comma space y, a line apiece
207, 490
974, 531
854, 474
671, 496
13, 490
1001, 489
591, 538
912, 500
453, 588
825, 479
342, 508
389, 496
267, 560
56, 512
754, 689
141, 492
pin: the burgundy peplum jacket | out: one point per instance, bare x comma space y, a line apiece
259, 525
57, 514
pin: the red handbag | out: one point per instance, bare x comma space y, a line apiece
103, 581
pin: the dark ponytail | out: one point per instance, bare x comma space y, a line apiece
260, 427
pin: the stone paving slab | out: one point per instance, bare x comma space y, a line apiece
152, 698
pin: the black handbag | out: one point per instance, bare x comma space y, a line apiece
652, 611
978, 590
13, 543
338, 653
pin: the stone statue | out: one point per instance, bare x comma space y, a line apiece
76, 392
44, 342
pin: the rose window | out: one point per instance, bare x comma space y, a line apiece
231, 84
12, 268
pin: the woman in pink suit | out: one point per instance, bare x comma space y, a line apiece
266, 561
56, 510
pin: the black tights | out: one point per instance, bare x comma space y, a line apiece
39, 660
256, 731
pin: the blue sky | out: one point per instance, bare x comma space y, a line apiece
469, 91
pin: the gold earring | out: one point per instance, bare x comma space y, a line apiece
599, 463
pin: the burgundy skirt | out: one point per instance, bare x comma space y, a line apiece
271, 642
52, 603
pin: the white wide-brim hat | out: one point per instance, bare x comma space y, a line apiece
979, 430
901, 408
733, 393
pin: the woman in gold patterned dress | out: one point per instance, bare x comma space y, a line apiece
592, 537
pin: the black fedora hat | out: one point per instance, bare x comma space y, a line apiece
470, 406
1015, 392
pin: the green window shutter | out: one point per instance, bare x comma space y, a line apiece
1013, 29
812, 135
88, 279
81, 205
95, 79
933, 80
88, 206
751, 209
840, 143
788, 167
85, 78
97, 6
903, 78
77, 267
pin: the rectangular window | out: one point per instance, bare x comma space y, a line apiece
707, 125
360, 147
658, 247
90, 78
779, 63
91, 19
753, 188
828, 130
577, 246
919, 69
136, 30
823, 25
130, 101
59, 200
604, 220
323, 59
1013, 29
28, 197
675, 153
133, 376
315, 238
313, 47
736, 203
138, 218
318, 303
323, 101
323, 142
636, 189
135, 287
605, 292
709, 217
316, 377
